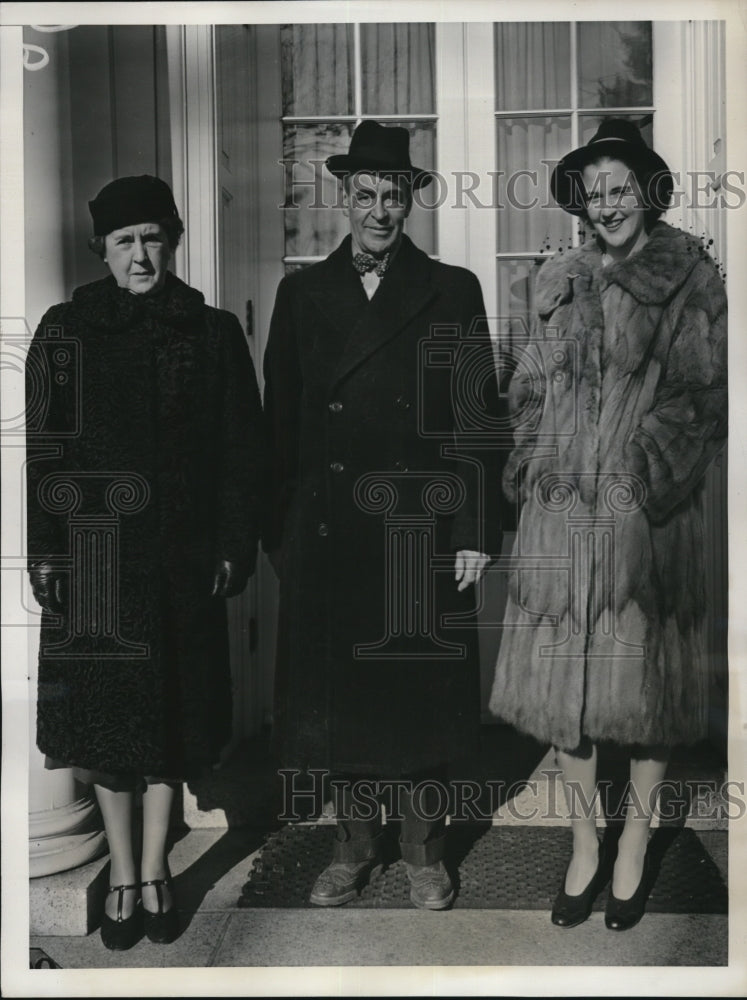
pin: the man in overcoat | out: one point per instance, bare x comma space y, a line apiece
380, 396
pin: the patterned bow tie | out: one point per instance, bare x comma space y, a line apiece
364, 262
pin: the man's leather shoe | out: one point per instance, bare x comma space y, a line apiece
430, 886
343, 880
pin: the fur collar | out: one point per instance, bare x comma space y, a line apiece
104, 304
651, 276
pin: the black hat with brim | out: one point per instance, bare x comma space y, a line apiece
618, 139
377, 149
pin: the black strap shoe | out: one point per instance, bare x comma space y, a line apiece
570, 911
622, 914
161, 927
119, 934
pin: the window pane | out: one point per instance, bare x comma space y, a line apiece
515, 300
530, 220
314, 223
398, 69
422, 144
588, 124
532, 66
317, 69
614, 64
421, 225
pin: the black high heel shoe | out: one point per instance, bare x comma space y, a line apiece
120, 934
570, 911
161, 927
622, 914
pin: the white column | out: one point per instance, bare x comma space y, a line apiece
465, 100
64, 825
690, 133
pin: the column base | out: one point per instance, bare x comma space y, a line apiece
70, 903
64, 837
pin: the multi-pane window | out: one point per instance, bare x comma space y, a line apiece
333, 77
554, 83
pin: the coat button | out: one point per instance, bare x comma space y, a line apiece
558, 376
402, 403
336, 466
323, 530
400, 466
335, 406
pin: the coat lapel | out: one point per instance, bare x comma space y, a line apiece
337, 290
405, 290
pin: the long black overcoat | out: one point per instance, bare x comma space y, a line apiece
368, 404
144, 468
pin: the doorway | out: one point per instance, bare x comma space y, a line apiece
482, 101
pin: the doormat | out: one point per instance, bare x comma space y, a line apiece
492, 867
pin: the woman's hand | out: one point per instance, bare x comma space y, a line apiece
47, 585
469, 567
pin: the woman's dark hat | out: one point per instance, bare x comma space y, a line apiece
128, 201
620, 139
379, 150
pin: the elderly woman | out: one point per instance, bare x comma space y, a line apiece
144, 476
619, 406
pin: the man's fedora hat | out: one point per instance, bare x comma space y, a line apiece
619, 139
377, 149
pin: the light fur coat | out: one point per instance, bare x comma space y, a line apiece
619, 403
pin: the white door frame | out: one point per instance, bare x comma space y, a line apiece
195, 177
465, 101
192, 97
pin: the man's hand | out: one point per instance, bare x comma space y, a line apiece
47, 585
469, 567
229, 580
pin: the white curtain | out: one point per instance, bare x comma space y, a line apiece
398, 69
532, 66
317, 69
532, 73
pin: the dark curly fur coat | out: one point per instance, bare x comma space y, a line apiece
144, 467
620, 405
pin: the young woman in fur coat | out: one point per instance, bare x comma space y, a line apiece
619, 405
144, 476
